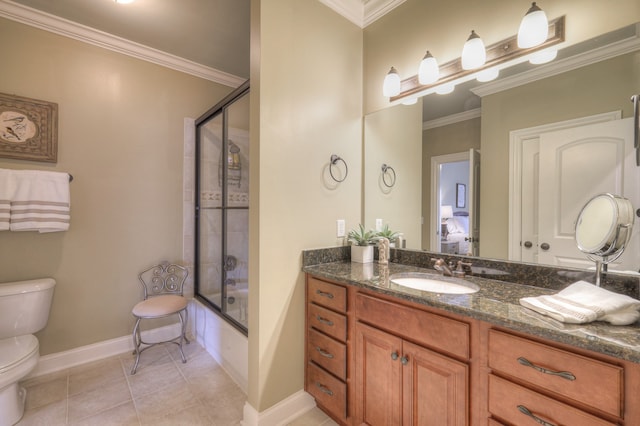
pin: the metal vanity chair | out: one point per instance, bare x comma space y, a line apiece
163, 297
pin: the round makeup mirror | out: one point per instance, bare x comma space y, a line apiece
603, 229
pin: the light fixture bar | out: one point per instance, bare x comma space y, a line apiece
498, 53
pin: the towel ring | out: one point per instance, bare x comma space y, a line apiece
334, 160
388, 170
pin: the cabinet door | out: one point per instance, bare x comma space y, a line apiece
435, 388
378, 377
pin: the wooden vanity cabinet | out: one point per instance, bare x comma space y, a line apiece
326, 373
398, 380
373, 359
532, 381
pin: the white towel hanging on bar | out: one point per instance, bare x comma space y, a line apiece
41, 201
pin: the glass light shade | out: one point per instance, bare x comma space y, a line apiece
124, 1
445, 89
534, 28
474, 54
446, 212
543, 56
428, 72
391, 85
410, 101
488, 75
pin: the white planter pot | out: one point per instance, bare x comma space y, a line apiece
362, 254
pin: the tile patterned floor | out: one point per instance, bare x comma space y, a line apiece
164, 391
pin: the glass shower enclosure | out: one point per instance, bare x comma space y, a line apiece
221, 266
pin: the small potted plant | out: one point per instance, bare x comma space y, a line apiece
362, 242
390, 235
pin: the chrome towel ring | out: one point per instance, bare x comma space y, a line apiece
334, 160
390, 174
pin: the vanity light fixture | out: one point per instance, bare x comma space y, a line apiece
543, 57
391, 85
534, 28
476, 62
474, 54
428, 72
445, 89
488, 75
124, 1
410, 101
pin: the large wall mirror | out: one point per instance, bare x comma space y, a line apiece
550, 138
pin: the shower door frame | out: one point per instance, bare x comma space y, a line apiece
220, 108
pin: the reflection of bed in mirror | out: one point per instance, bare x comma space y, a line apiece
458, 228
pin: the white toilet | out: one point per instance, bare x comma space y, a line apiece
24, 309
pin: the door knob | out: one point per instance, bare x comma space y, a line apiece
528, 244
545, 246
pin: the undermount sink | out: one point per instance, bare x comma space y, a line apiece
427, 282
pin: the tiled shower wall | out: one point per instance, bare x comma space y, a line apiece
226, 344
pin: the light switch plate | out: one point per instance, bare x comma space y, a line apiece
378, 225
340, 232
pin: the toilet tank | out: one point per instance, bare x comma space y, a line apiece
24, 306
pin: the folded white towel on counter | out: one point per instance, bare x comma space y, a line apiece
583, 302
41, 201
7, 187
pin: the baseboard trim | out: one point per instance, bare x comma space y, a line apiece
97, 351
280, 414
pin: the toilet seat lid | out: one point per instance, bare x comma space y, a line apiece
15, 349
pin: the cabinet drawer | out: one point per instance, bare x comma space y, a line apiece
328, 353
596, 384
326, 294
509, 402
329, 322
425, 328
329, 392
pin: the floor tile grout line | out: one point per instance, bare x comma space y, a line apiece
125, 371
67, 399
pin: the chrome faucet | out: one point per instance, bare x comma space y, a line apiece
441, 265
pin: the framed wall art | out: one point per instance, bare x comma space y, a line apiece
461, 195
28, 129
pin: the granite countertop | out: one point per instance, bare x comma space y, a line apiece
496, 302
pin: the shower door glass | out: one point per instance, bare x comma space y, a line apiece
222, 208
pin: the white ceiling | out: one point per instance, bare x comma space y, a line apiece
208, 38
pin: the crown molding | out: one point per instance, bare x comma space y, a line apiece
451, 119
44, 21
362, 12
375, 9
627, 45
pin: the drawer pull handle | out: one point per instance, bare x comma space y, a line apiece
563, 374
394, 356
323, 352
404, 360
526, 411
324, 320
324, 294
324, 389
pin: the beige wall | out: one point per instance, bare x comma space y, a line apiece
602, 87
307, 84
394, 137
401, 38
449, 139
121, 136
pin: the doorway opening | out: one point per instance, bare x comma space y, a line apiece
454, 203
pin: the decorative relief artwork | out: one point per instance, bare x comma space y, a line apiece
28, 129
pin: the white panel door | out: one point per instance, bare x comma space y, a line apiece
530, 202
574, 165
